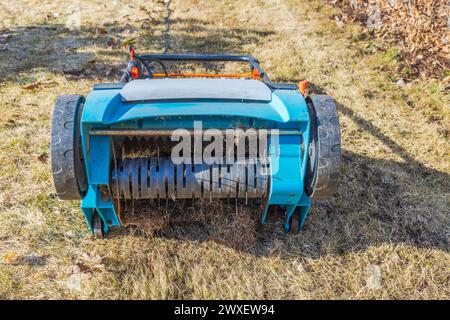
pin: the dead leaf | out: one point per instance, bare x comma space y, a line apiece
82, 267
89, 263
43, 157
12, 257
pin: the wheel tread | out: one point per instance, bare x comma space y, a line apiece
68, 171
329, 146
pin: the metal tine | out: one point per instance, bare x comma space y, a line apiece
158, 156
240, 184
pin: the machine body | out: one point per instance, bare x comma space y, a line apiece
123, 138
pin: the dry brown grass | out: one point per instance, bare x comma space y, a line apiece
384, 235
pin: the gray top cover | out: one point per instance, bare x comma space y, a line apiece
173, 89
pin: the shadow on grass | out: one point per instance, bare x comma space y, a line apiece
96, 52
55, 49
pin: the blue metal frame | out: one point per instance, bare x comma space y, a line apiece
104, 109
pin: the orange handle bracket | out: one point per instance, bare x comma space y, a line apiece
303, 86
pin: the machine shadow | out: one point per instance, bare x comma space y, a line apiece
378, 202
58, 50
96, 52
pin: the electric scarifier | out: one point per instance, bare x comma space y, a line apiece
117, 144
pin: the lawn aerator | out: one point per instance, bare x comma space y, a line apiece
123, 141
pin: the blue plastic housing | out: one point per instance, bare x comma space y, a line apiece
104, 109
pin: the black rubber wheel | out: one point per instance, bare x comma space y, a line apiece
97, 225
324, 154
69, 173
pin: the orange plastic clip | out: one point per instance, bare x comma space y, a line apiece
134, 72
303, 86
255, 74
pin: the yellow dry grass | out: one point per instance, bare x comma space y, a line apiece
384, 235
